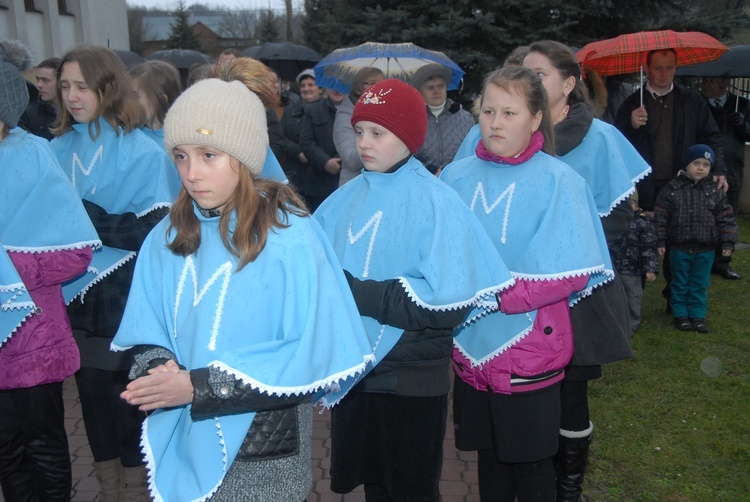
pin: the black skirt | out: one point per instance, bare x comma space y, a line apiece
388, 440
521, 427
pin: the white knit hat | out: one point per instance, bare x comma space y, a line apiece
223, 115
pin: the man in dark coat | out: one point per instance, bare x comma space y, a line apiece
732, 115
671, 119
316, 139
41, 112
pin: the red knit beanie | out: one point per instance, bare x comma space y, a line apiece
396, 106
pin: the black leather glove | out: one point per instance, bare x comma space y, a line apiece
735, 118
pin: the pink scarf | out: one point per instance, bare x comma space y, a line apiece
536, 144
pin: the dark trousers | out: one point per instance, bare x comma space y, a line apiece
34, 457
113, 427
521, 482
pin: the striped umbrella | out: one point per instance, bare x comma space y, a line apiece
627, 53
336, 71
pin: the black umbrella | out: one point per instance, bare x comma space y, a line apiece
733, 63
286, 59
250, 52
181, 58
130, 58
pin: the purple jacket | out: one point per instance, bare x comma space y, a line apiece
538, 359
43, 350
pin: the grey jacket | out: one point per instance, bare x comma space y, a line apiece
444, 135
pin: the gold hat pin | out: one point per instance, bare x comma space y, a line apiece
203, 131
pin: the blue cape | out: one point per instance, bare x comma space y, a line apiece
122, 173
15, 302
44, 212
609, 163
605, 158
543, 220
410, 226
284, 324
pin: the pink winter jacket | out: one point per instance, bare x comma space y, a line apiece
43, 349
538, 359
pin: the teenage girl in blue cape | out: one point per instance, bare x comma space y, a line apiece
240, 313
417, 259
127, 184
544, 222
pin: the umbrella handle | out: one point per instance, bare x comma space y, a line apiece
641, 85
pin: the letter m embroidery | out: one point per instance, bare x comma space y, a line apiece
224, 270
86, 171
374, 223
507, 195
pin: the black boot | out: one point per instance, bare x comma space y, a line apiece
570, 463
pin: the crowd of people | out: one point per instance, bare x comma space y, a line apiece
210, 262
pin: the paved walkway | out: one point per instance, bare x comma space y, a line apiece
459, 479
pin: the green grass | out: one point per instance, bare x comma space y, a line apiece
673, 424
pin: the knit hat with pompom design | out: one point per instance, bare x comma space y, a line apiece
222, 115
396, 106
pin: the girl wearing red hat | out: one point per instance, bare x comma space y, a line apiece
416, 260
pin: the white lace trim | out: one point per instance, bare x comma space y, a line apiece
94, 244
474, 362
455, 305
104, 273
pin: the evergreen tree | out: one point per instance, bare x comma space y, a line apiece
267, 29
182, 36
479, 34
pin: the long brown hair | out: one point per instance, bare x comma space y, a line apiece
261, 205
525, 82
563, 59
104, 73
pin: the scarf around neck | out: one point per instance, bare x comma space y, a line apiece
285, 324
542, 219
410, 226
535, 144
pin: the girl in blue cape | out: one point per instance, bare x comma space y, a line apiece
240, 313
544, 222
127, 184
46, 239
416, 260
611, 166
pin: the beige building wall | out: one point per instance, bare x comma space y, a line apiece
49, 32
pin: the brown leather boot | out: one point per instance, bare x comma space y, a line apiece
108, 475
134, 484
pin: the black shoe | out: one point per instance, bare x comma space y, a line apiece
731, 275
700, 325
683, 324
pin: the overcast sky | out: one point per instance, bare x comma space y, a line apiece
229, 4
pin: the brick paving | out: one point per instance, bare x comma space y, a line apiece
458, 482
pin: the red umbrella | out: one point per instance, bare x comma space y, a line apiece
627, 53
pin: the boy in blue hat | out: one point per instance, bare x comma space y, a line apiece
692, 216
